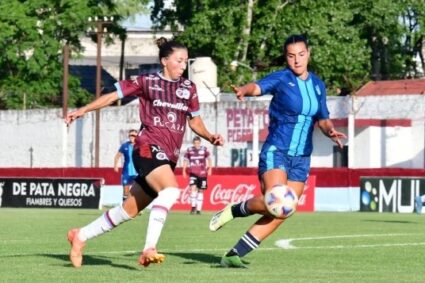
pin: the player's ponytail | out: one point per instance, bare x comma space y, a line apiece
166, 48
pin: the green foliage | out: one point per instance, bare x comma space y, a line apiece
32, 35
351, 41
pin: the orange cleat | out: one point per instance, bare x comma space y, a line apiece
77, 246
149, 256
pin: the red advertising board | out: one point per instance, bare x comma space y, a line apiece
224, 189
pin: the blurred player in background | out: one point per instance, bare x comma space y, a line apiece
167, 102
419, 200
299, 101
128, 173
197, 160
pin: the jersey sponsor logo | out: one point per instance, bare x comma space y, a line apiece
170, 124
161, 156
178, 106
156, 87
183, 93
172, 117
152, 78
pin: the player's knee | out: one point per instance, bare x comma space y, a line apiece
167, 197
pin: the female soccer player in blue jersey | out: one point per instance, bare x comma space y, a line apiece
299, 101
167, 102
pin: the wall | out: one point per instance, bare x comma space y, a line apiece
39, 138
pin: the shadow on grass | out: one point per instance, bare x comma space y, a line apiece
90, 260
193, 258
391, 221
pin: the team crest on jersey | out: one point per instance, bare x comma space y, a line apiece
186, 82
291, 84
183, 93
318, 90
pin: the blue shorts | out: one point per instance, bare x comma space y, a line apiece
296, 167
127, 179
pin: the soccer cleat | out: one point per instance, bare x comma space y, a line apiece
149, 256
77, 246
233, 261
221, 218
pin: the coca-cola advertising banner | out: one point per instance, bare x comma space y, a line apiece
224, 189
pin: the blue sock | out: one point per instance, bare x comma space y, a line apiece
241, 209
245, 245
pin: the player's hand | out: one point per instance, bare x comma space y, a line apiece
74, 115
238, 91
336, 137
116, 169
216, 139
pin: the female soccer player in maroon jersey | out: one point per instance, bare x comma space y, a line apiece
167, 101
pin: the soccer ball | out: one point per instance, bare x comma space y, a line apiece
281, 201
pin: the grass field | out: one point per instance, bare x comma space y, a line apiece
326, 247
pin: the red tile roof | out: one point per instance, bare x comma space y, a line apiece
399, 87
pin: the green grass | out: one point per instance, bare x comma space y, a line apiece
329, 247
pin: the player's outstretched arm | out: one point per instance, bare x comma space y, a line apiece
198, 126
99, 103
251, 89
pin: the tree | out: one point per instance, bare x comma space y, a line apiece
351, 41
32, 35
226, 31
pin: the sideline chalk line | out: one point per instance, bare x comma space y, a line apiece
287, 244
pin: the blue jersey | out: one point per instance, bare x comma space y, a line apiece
128, 168
295, 107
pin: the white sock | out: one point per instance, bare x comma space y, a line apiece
199, 201
193, 199
105, 223
163, 203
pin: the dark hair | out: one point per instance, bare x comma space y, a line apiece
196, 138
166, 48
294, 38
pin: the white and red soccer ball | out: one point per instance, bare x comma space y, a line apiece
281, 201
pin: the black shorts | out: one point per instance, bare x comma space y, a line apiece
148, 157
200, 182
145, 160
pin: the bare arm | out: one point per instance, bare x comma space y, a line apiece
250, 89
327, 128
198, 126
99, 103
116, 161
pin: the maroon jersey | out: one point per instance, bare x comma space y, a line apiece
197, 159
164, 107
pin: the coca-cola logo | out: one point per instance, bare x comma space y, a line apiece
241, 192
184, 196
